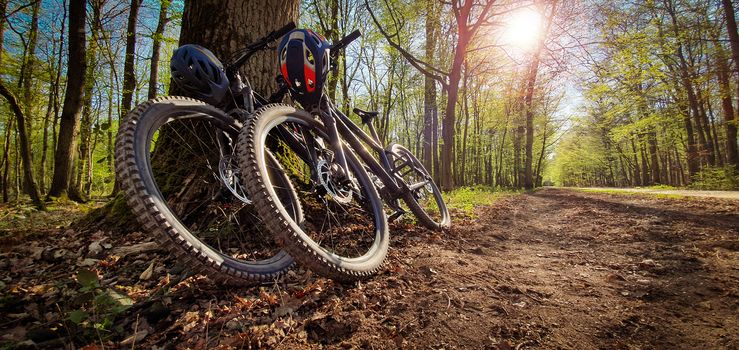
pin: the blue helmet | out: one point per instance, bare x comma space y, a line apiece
199, 73
304, 61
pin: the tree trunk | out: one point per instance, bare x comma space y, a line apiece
45, 142
645, 178
57, 80
6, 158
244, 23
706, 125
732, 124
430, 110
652, 138
155, 47
9, 124
529, 98
129, 75
68, 128
447, 123
87, 109
25, 148
465, 126
637, 169
27, 78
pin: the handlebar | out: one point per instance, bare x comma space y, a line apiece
276, 34
344, 42
258, 45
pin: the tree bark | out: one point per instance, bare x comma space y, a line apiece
9, 124
68, 128
245, 23
652, 137
430, 109
29, 63
732, 124
87, 109
129, 75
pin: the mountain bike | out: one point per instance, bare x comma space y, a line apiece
340, 184
175, 164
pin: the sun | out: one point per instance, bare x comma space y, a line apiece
522, 28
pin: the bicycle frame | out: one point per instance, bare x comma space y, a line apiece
357, 138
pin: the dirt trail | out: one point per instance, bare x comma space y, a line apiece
551, 269
565, 269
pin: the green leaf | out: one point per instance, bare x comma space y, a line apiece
78, 316
87, 279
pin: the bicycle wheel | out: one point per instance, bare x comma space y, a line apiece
174, 164
423, 198
344, 232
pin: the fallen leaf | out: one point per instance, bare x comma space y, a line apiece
94, 248
137, 337
148, 272
88, 262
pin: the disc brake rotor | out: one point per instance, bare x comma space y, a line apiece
229, 173
340, 193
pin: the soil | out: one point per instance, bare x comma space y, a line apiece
552, 269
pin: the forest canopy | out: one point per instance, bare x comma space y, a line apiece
507, 94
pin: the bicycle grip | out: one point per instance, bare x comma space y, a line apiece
282, 31
343, 42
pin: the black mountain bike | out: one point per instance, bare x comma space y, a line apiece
175, 163
340, 185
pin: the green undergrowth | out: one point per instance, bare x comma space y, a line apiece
23, 217
716, 178
466, 199
659, 187
627, 192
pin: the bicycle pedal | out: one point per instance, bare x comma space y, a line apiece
395, 216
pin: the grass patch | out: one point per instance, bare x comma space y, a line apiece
466, 199
638, 193
659, 187
24, 218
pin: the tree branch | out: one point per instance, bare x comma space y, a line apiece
415, 62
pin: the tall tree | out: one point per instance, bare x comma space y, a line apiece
532, 73
129, 74
430, 109
732, 125
25, 147
29, 67
156, 47
468, 23
68, 126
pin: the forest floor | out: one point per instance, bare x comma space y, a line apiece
555, 268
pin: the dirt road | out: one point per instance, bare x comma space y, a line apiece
565, 269
551, 269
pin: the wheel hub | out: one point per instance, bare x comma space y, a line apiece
328, 178
229, 174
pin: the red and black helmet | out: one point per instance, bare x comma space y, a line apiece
304, 63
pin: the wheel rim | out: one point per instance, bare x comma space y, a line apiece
338, 219
185, 163
422, 188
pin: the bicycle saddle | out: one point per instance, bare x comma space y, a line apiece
366, 115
